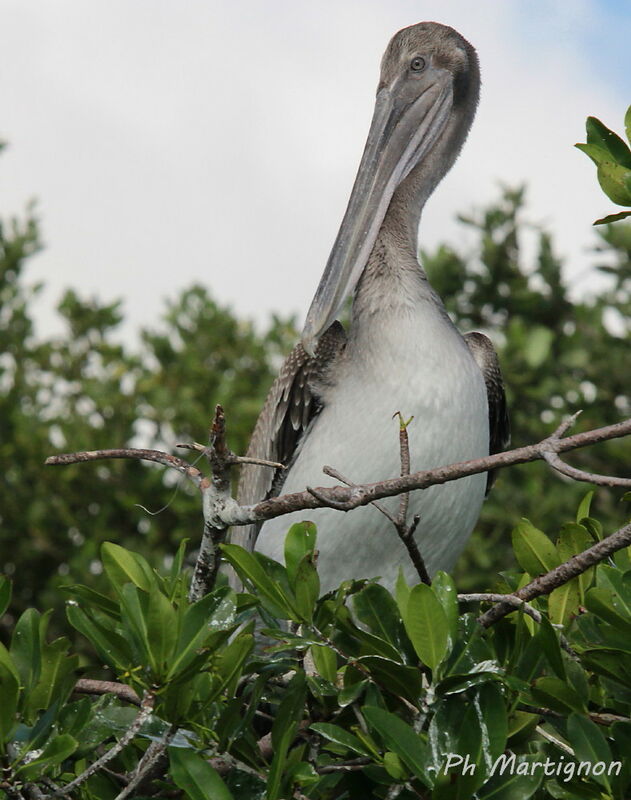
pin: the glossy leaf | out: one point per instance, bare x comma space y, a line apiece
307, 588
564, 602
533, 549
112, 648
445, 590
426, 625
299, 541
250, 569
25, 647
375, 607
335, 733
599, 134
325, 661
558, 695
122, 566
585, 505
589, 744
194, 775
9, 692
57, 750
393, 677
401, 739
212, 614
614, 181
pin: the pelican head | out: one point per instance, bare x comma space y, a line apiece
426, 99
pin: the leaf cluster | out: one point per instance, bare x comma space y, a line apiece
353, 694
612, 157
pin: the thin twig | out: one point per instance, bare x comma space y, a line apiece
347, 498
146, 709
333, 473
518, 605
150, 757
347, 766
581, 475
183, 467
574, 566
404, 449
121, 690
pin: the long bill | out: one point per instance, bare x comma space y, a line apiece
401, 134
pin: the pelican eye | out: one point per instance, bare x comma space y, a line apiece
417, 64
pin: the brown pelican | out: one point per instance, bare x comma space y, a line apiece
334, 399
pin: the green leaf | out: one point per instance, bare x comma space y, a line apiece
134, 612
533, 549
325, 661
213, 614
549, 640
606, 604
393, 766
614, 181
277, 767
161, 630
93, 599
340, 736
627, 123
231, 661
613, 218
584, 506
597, 153
57, 750
300, 540
397, 678
193, 774
399, 737
307, 587
402, 593
508, 784
564, 601
122, 566
600, 135
57, 675
26, 646
589, 744
9, 692
445, 590
426, 625
112, 648
250, 569
375, 607
574, 539
5, 594
557, 695
291, 707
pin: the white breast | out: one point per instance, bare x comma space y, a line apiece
417, 364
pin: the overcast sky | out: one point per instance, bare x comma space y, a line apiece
217, 141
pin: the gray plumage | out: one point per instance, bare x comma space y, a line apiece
334, 397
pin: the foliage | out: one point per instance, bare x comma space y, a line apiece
350, 695
612, 157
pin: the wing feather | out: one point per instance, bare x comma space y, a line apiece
486, 358
291, 405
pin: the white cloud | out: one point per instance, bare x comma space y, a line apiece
218, 141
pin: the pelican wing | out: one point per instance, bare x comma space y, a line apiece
291, 406
486, 358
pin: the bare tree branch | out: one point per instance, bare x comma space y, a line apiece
183, 467
518, 605
90, 686
348, 498
146, 709
580, 475
556, 577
